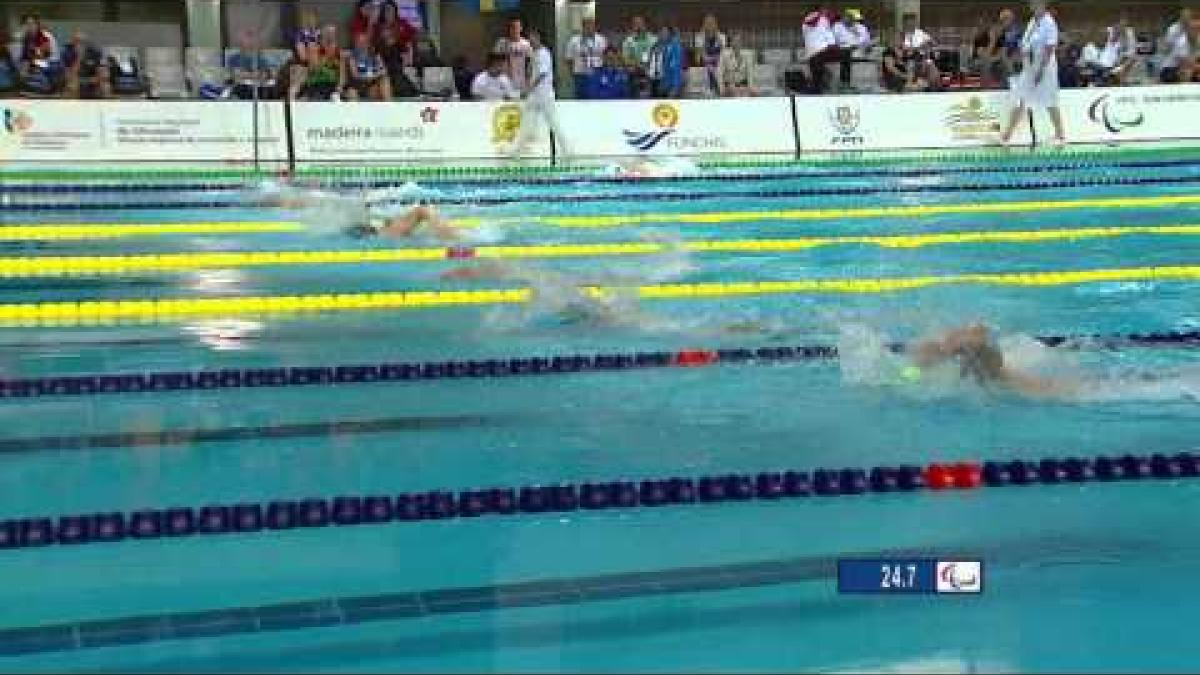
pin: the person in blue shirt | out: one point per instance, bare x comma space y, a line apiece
610, 81
666, 64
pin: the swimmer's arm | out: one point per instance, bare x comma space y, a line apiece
1035, 387
407, 223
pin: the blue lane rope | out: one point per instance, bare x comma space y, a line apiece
377, 509
654, 196
575, 179
295, 376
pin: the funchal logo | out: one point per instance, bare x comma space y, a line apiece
973, 120
506, 122
665, 117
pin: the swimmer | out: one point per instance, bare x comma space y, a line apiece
417, 219
979, 359
642, 167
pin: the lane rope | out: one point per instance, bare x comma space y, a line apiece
41, 266
299, 376
69, 231
168, 309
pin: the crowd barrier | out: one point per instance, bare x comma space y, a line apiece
275, 133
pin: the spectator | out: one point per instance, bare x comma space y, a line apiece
125, 75
324, 72
735, 69
1178, 43
665, 68
989, 52
610, 81
250, 74
10, 74
853, 39
366, 75
36, 41
464, 77
896, 74
518, 51
86, 71
710, 42
1070, 73
585, 53
40, 69
395, 55
402, 31
305, 47
820, 46
425, 53
636, 52
918, 50
1122, 43
1090, 61
493, 83
366, 14
539, 100
1037, 85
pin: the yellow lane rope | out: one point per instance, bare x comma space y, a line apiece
152, 309
111, 230
117, 230
121, 264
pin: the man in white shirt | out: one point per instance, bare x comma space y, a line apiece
853, 39
585, 53
492, 83
518, 51
1178, 64
820, 46
539, 99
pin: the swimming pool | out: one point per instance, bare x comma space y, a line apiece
1080, 576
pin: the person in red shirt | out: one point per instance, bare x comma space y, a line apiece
403, 31
36, 41
366, 15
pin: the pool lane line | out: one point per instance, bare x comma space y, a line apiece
68, 231
65, 313
561, 364
42, 231
42, 187
626, 197
43, 266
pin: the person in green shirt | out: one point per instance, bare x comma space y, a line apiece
635, 51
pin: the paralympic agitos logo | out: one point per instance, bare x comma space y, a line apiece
1115, 114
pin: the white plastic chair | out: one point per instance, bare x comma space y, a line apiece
777, 57
765, 79
436, 79
696, 83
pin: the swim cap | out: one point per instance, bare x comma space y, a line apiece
911, 374
361, 231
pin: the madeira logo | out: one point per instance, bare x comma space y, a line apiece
665, 117
506, 122
1116, 115
972, 120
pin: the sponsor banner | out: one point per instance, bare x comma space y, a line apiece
678, 128
403, 132
1113, 115
144, 131
900, 122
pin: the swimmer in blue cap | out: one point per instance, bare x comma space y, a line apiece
979, 359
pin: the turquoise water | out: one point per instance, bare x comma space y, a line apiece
1090, 577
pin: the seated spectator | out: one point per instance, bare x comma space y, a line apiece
734, 69
464, 77
1178, 43
366, 14
853, 40
36, 41
10, 74
918, 53
635, 50
897, 76
710, 43
41, 71
324, 72
402, 31
610, 81
425, 53
1121, 51
1069, 55
250, 76
820, 47
366, 75
305, 45
493, 84
87, 73
395, 55
585, 53
665, 67
125, 76
519, 52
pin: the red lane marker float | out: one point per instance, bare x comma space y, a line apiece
694, 358
961, 476
460, 252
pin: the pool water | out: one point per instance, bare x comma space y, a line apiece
1080, 577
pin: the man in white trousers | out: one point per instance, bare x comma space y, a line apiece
539, 99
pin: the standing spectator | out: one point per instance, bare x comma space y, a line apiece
403, 32
518, 51
636, 52
735, 69
820, 46
710, 42
366, 14
610, 81
539, 100
86, 72
493, 84
665, 68
395, 57
585, 53
1037, 85
1178, 42
1119, 55
853, 40
367, 77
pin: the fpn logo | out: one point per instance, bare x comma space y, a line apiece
1116, 115
845, 120
665, 117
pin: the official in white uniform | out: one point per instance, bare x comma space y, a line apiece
539, 101
1037, 85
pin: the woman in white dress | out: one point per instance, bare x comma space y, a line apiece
1037, 85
